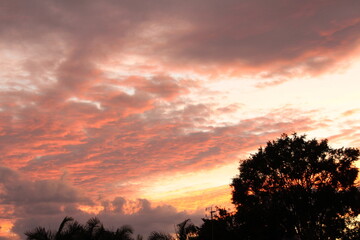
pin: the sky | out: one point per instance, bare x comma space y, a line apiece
140, 111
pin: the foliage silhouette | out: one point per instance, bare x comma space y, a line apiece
39, 233
139, 237
160, 236
220, 226
297, 188
72, 230
186, 230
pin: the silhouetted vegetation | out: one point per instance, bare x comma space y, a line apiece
160, 236
298, 189
186, 230
292, 189
72, 230
221, 225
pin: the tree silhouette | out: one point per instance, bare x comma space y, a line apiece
94, 229
68, 229
185, 230
220, 226
297, 188
139, 237
123, 233
39, 233
72, 230
160, 236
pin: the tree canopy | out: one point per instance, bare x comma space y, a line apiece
297, 188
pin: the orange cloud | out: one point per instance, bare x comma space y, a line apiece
351, 112
105, 97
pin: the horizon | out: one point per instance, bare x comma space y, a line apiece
140, 112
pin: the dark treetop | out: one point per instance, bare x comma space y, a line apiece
297, 189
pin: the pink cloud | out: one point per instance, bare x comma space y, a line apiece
148, 143
108, 92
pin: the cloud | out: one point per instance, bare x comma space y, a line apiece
147, 218
110, 94
104, 150
30, 196
23, 198
280, 37
75, 39
350, 112
46, 202
348, 136
271, 83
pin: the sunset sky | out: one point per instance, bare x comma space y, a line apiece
139, 111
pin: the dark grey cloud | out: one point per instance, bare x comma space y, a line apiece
312, 35
46, 202
22, 192
145, 220
277, 35
148, 218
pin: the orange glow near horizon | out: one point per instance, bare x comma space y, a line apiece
199, 200
5, 229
